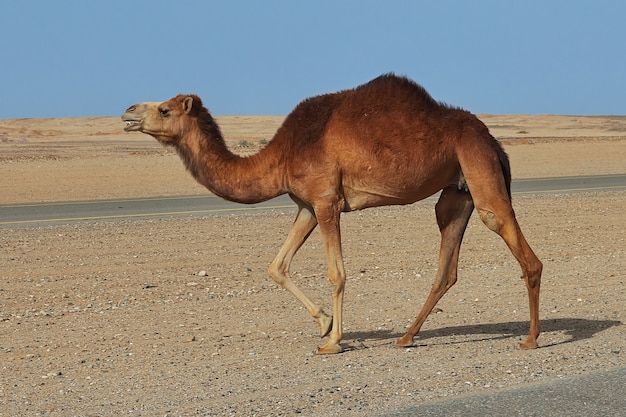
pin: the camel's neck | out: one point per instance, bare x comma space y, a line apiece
241, 179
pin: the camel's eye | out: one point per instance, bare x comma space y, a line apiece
164, 112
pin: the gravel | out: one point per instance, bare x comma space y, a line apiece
178, 317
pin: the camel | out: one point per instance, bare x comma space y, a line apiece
386, 142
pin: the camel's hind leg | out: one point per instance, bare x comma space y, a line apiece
279, 268
487, 174
498, 215
453, 210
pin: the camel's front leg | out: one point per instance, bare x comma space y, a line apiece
453, 210
279, 268
329, 226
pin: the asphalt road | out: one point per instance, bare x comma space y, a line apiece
597, 394
41, 214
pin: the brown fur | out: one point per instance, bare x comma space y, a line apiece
385, 142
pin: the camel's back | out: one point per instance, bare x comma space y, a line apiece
388, 119
391, 91
389, 112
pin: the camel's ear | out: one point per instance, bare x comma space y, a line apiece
187, 104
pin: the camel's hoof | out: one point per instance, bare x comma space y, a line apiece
329, 349
326, 325
529, 344
405, 341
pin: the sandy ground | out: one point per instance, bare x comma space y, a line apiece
92, 158
114, 318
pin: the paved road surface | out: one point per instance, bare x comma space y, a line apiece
39, 214
597, 394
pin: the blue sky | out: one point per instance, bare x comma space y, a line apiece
95, 58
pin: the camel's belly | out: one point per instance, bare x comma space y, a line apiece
405, 178
358, 199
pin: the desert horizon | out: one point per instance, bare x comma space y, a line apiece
63, 158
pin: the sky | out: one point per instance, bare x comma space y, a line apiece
95, 58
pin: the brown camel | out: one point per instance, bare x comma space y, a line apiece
382, 143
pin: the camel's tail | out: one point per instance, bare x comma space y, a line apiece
506, 167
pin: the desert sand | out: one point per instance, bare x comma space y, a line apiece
178, 317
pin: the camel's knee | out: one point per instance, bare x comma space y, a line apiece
278, 273
534, 281
339, 283
490, 220
337, 274
443, 283
533, 275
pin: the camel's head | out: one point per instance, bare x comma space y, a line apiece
165, 121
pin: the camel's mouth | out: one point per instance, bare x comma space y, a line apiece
132, 125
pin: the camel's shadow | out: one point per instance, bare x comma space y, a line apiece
576, 329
